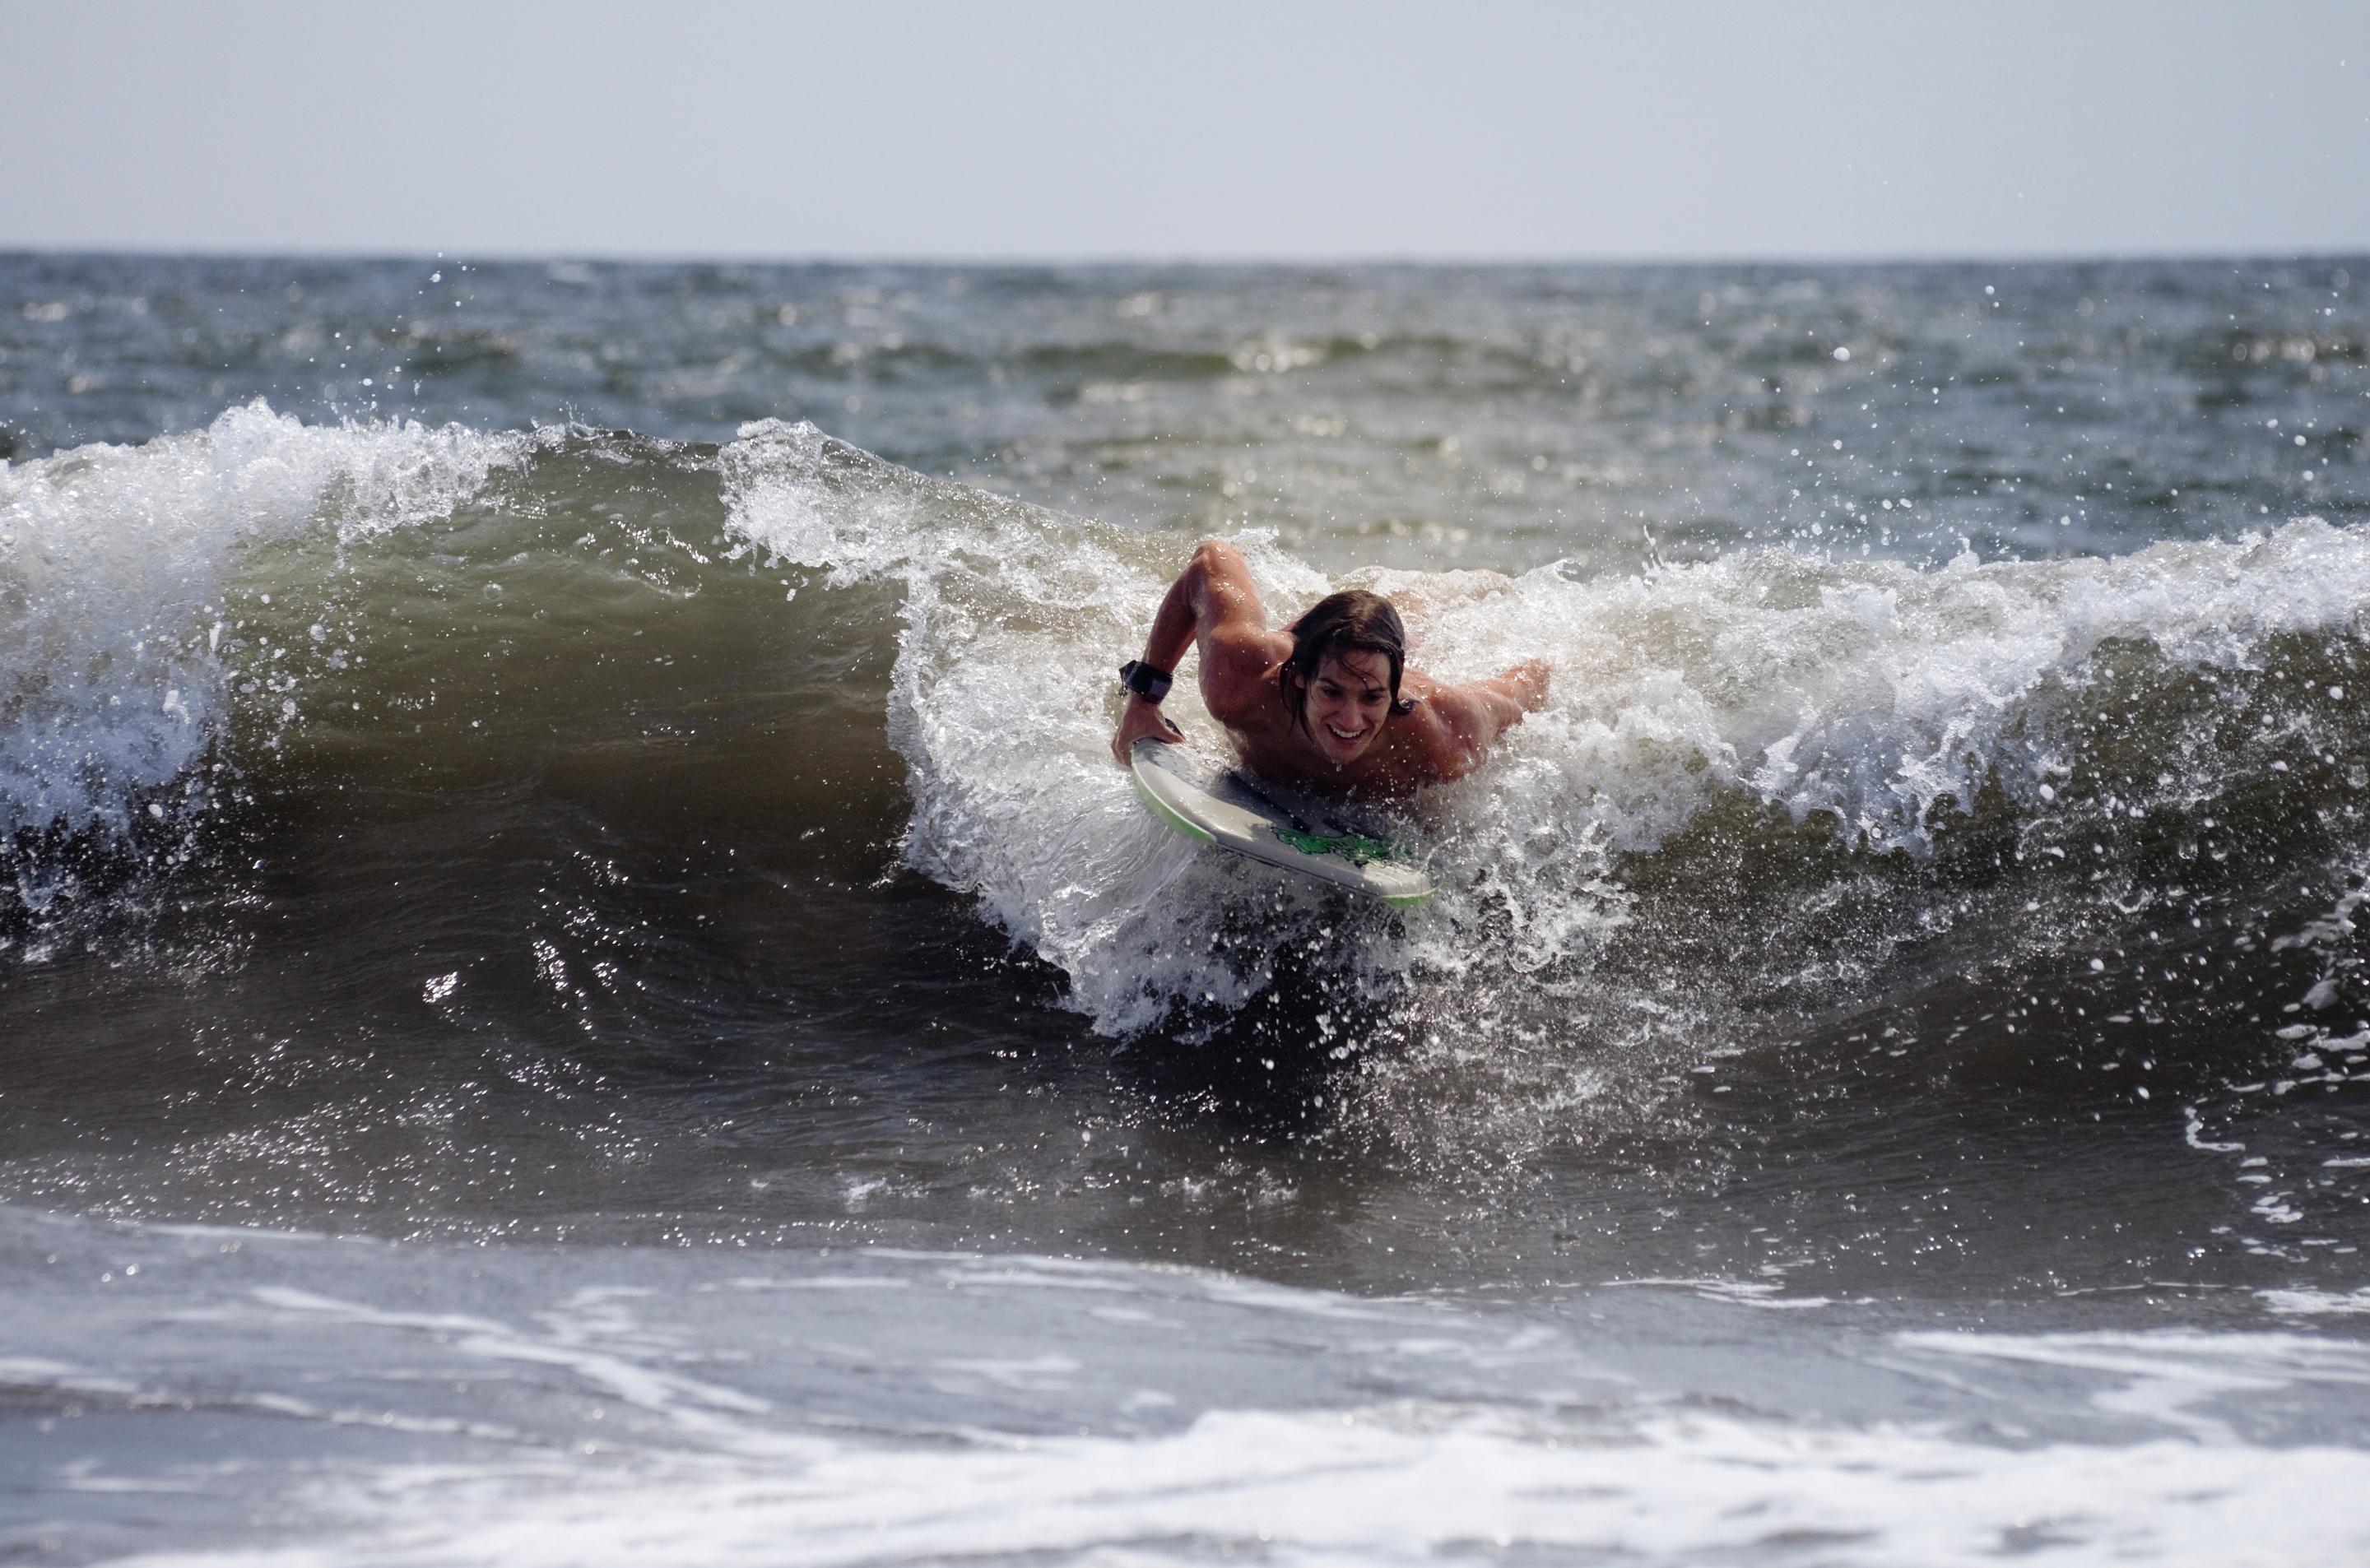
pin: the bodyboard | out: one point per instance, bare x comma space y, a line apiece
1225, 810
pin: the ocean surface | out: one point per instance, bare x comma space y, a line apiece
576, 984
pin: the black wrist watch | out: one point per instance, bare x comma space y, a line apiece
1145, 681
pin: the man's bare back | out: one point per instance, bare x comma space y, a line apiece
1327, 705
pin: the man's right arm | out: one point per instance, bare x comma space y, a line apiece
1214, 605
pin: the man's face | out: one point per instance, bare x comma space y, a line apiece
1348, 704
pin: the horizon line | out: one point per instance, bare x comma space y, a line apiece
1242, 260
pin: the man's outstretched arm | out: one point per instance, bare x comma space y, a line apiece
1466, 720
1213, 605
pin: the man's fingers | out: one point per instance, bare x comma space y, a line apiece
1167, 734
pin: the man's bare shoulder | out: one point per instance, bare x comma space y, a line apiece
1446, 734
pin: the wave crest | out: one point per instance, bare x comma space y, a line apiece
114, 563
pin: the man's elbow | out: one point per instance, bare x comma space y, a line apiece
1214, 557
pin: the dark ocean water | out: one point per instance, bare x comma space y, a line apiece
576, 984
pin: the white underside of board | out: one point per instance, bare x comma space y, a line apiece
1223, 812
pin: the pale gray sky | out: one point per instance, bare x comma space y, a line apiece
1063, 129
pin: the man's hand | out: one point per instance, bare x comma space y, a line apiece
1141, 719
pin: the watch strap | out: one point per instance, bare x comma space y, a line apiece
1145, 681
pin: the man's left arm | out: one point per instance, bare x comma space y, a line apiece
1466, 721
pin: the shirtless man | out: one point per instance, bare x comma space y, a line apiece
1325, 705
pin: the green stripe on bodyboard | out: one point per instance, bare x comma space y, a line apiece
1355, 848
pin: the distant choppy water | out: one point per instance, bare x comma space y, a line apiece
575, 983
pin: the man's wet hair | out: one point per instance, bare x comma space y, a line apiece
1350, 622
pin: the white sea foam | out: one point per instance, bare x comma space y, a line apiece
585, 1343
113, 562
1401, 1483
2170, 1377
1868, 691
2302, 1302
997, 701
